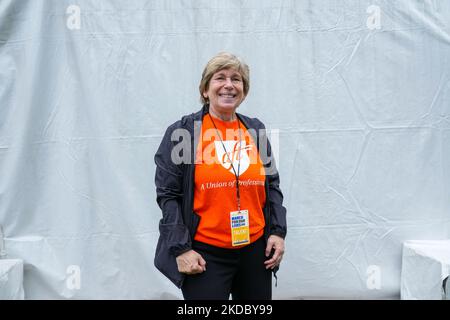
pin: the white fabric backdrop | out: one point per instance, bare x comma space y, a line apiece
359, 91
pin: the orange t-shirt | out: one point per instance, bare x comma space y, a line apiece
215, 194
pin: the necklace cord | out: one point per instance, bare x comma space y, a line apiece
238, 196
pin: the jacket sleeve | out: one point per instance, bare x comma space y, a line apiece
278, 223
169, 191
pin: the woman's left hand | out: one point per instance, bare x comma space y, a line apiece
276, 243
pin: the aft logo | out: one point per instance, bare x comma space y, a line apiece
236, 154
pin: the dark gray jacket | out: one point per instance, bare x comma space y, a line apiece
174, 181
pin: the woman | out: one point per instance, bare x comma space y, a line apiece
223, 224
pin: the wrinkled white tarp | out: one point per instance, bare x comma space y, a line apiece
425, 265
359, 91
11, 279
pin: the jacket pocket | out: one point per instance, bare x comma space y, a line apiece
166, 263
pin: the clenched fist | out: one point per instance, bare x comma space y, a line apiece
191, 262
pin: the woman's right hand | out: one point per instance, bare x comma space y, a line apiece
191, 262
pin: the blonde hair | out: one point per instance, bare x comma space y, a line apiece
224, 60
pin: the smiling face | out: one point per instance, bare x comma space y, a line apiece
225, 92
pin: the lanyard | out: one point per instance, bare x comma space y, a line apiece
238, 196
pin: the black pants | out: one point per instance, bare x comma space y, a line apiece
240, 272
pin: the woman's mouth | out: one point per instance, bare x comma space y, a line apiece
227, 95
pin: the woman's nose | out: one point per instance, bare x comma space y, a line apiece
228, 83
